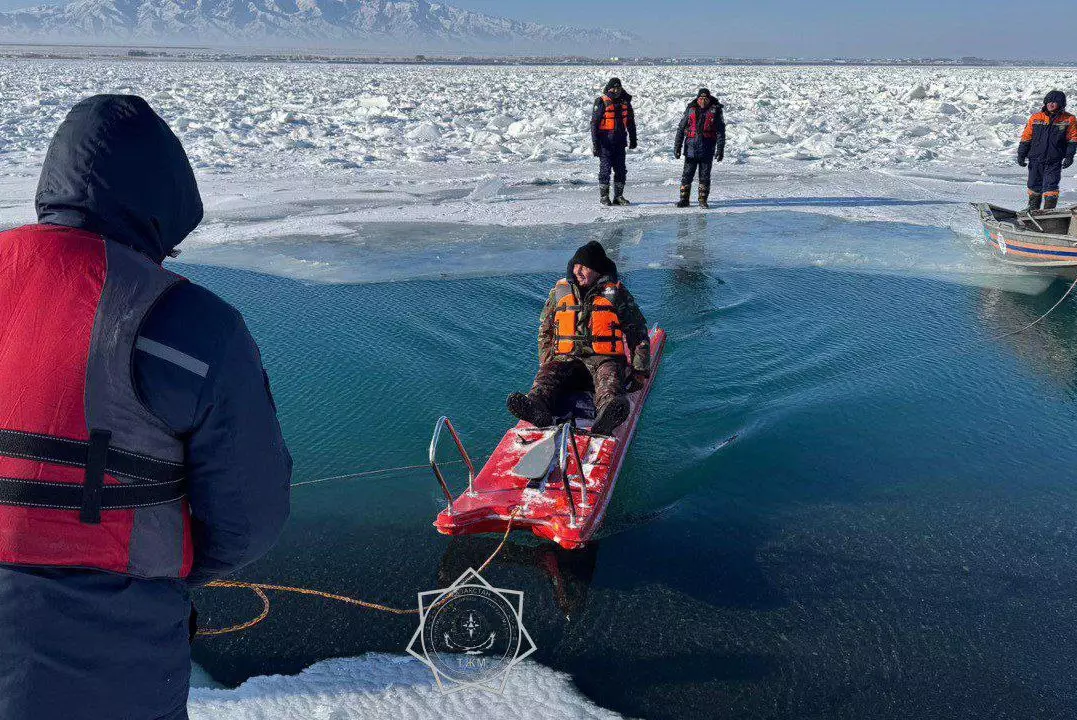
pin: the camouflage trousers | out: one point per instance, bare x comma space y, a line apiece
557, 379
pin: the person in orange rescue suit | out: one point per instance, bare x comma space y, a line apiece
613, 127
586, 326
1047, 147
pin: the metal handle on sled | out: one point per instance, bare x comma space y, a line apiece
568, 437
443, 422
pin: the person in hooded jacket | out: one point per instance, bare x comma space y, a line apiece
613, 128
1047, 146
140, 452
589, 321
701, 137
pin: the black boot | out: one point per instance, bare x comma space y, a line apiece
1034, 201
704, 193
604, 194
686, 192
529, 409
619, 194
611, 416
1050, 202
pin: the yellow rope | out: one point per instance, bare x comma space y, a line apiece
260, 589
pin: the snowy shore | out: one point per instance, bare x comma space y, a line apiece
316, 150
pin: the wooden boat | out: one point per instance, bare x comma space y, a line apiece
533, 479
1037, 239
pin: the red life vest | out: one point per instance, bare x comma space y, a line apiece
710, 129
617, 112
89, 477
602, 336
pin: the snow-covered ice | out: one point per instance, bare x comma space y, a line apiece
398, 687
316, 150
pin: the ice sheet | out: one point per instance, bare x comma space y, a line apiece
344, 173
390, 686
312, 150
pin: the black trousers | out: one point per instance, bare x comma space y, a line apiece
611, 159
1043, 178
703, 165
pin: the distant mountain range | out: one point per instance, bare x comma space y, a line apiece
375, 25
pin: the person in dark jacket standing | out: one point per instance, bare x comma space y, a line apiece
701, 137
1047, 146
588, 323
613, 127
140, 452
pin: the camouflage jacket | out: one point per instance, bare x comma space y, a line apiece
633, 325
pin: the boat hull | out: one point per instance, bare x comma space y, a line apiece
1020, 246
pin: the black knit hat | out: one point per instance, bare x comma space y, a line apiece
1055, 96
702, 92
613, 83
593, 255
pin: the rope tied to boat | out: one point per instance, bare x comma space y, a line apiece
260, 589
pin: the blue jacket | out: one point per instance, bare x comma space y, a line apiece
701, 131
87, 644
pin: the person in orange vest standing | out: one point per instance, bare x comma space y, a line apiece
588, 330
140, 452
1047, 146
701, 137
613, 128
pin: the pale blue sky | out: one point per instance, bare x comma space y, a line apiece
805, 28
814, 28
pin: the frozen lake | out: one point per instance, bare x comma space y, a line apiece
886, 538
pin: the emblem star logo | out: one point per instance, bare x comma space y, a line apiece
472, 603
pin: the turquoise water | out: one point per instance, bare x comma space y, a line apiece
884, 538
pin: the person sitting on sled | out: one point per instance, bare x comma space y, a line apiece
589, 320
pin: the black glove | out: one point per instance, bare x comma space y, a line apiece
631, 144
719, 154
677, 153
1067, 162
1022, 161
594, 150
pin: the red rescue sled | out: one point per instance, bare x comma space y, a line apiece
533, 480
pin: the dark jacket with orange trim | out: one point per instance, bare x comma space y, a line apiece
92, 644
1049, 138
633, 324
624, 130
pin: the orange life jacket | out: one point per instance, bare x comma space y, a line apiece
616, 110
603, 334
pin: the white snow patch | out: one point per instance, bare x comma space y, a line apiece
390, 686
